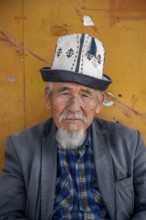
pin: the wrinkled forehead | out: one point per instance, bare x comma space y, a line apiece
72, 87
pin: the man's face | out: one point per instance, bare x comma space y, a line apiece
73, 106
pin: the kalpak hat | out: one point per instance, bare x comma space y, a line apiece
79, 58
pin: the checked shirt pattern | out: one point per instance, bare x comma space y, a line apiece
77, 195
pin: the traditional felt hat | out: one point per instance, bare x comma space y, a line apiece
79, 58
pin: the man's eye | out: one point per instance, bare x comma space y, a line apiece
65, 93
85, 95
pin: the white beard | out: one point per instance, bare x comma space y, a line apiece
70, 139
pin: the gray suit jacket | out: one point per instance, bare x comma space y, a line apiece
27, 184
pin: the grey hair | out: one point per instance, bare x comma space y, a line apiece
99, 93
50, 86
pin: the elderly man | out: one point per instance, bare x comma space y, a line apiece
75, 166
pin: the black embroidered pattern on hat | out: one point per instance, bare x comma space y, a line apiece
99, 59
89, 56
69, 53
59, 52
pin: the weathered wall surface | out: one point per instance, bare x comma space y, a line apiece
28, 34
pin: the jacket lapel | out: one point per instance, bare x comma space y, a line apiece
104, 169
48, 174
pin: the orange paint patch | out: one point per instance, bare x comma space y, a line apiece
58, 30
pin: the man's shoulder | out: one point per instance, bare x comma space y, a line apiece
36, 131
113, 127
27, 144
118, 134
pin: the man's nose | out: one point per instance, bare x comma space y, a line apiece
74, 104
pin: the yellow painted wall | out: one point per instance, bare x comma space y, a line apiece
28, 34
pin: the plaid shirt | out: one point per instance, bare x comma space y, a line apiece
77, 194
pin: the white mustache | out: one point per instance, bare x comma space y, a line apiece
78, 116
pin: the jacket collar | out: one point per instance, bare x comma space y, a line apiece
103, 165
48, 171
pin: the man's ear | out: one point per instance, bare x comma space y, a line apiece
47, 95
101, 99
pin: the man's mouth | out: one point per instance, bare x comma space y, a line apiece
72, 120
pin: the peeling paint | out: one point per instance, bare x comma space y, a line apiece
59, 29
79, 13
10, 79
114, 9
11, 41
95, 29
87, 21
135, 99
18, 46
126, 110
